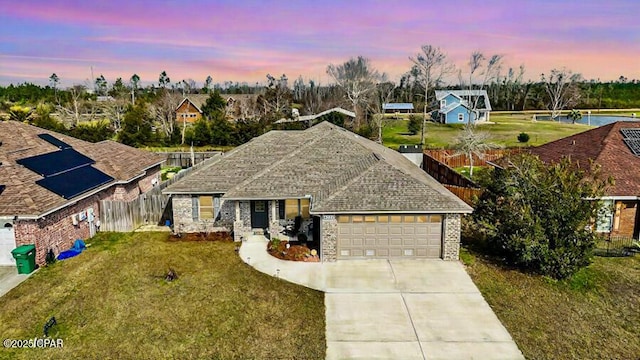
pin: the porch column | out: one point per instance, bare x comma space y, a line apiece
237, 210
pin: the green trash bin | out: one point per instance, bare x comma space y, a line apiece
25, 256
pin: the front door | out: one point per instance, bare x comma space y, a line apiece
259, 215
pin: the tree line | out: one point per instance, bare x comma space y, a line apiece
145, 115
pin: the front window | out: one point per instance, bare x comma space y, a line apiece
605, 216
295, 207
460, 117
443, 103
205, 207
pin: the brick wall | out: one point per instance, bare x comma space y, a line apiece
57, 232
131, 191
451, 237
625, 212
329, 238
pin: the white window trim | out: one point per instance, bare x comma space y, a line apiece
461, 117
443, 103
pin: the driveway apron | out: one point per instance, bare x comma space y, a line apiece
396, 309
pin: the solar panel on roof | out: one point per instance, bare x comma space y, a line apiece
54, 141
55, 162
634, 145
631, 133
75, 182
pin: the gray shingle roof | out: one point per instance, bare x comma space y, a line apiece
342, 171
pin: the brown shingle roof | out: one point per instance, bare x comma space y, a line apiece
341, 170
604, 146
23, 196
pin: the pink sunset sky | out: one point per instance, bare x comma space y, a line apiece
245, 40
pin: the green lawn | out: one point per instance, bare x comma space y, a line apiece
504, 131
594, 315
112, 302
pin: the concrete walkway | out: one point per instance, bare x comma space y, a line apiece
395, 309
9, 278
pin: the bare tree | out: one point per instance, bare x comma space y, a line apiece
358, 80
430, 65
164, 111
384, 94
470, 143
562, 88
73, 111
481, 72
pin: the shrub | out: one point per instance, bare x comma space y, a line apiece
415, 124
523, 137
535, 216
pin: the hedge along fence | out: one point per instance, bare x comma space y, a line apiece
448, 158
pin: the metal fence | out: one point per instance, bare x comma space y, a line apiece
617, 246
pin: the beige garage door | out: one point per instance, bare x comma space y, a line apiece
385, 236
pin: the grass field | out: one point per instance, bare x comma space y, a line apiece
504, 131
112, 302
593, 315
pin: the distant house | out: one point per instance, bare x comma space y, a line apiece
615, 148
311, 118
51, 186
392, 108
190, 109
238, 106
457, 106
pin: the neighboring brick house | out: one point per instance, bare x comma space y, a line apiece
357, 199
615, 148
52, 185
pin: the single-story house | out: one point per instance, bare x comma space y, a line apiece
357, 199
616, 149
51, 186
311, 118
457, 106
392, 108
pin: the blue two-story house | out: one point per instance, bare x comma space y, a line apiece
462, 106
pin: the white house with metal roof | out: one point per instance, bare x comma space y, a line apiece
462, 106
353, 198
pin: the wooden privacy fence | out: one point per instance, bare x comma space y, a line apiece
465, 193
461, 186
447, 157
183, 159
445, 174
149, 208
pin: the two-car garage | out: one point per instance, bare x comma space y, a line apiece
389, 236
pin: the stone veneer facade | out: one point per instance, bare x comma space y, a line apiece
329, 236
241, 218
451, 237
57, 232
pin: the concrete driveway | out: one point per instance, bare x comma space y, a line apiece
396, 309
9, 278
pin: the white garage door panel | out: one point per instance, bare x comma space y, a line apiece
414, 237
7, 243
